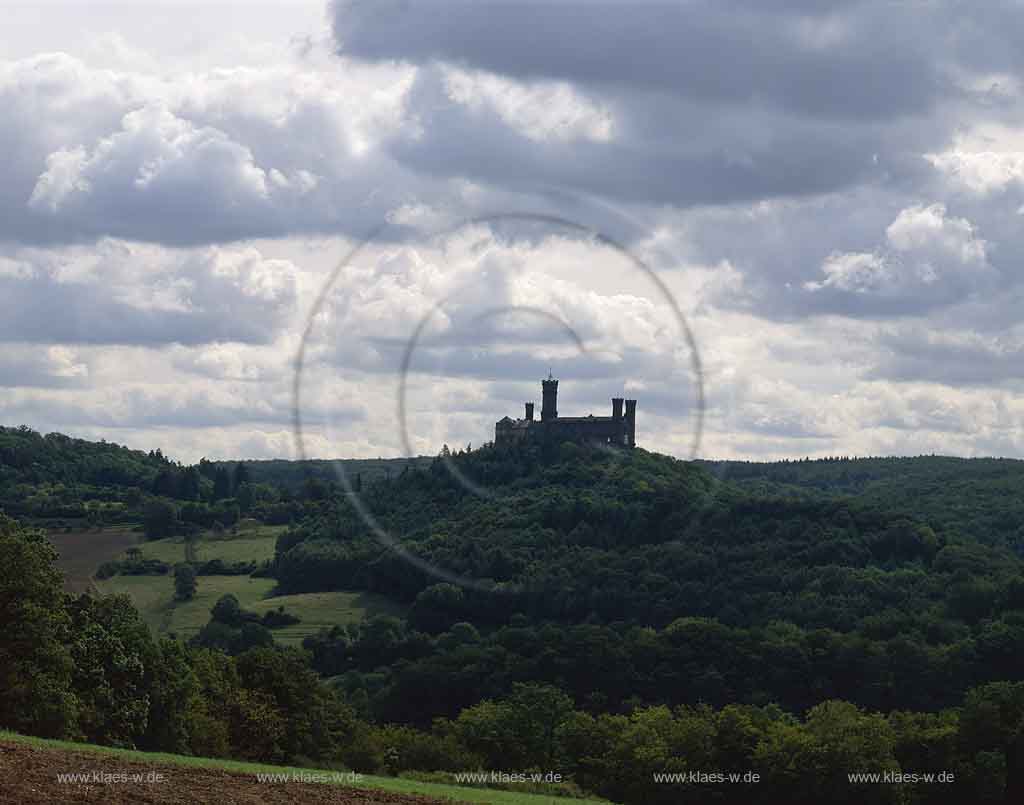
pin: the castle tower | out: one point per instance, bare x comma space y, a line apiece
529, 412
549, 401
619, 435
631, 423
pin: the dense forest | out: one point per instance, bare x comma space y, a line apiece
294, 475
57, 480
57, 476
678, 583
622, 615
978, 498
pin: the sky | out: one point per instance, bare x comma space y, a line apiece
788, 229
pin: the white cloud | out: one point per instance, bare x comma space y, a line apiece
14, 269
987, 159
296, 145
129, 293
540, 111
857, 272
929, 228
929, 255
157, 160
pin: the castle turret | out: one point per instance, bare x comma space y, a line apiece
631, 423
549, 402
616, 408
529, 412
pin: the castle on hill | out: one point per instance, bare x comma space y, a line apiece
617, 429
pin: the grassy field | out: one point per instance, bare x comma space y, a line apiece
153, 596
318, 610
246, 547
243, 548
168, 550
84, 550
393, 784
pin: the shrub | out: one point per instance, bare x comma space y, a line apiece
275, 618
184, 582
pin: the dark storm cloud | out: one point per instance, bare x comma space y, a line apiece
826, 110
712, 103
707, 163
848, 62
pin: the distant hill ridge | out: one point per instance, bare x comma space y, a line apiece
27, 456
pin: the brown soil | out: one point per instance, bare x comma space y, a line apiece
82, 551
28, 776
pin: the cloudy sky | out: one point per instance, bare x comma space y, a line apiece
830, 193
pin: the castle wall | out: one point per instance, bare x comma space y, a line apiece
603, 430
618, 429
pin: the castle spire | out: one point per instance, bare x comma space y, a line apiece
549, 404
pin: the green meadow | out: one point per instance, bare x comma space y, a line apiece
153, 596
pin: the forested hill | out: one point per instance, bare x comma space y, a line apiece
980, 498
57, 481
632, 536
28, 457
693, 578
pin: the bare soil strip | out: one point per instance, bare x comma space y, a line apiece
82, 551
29, 775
